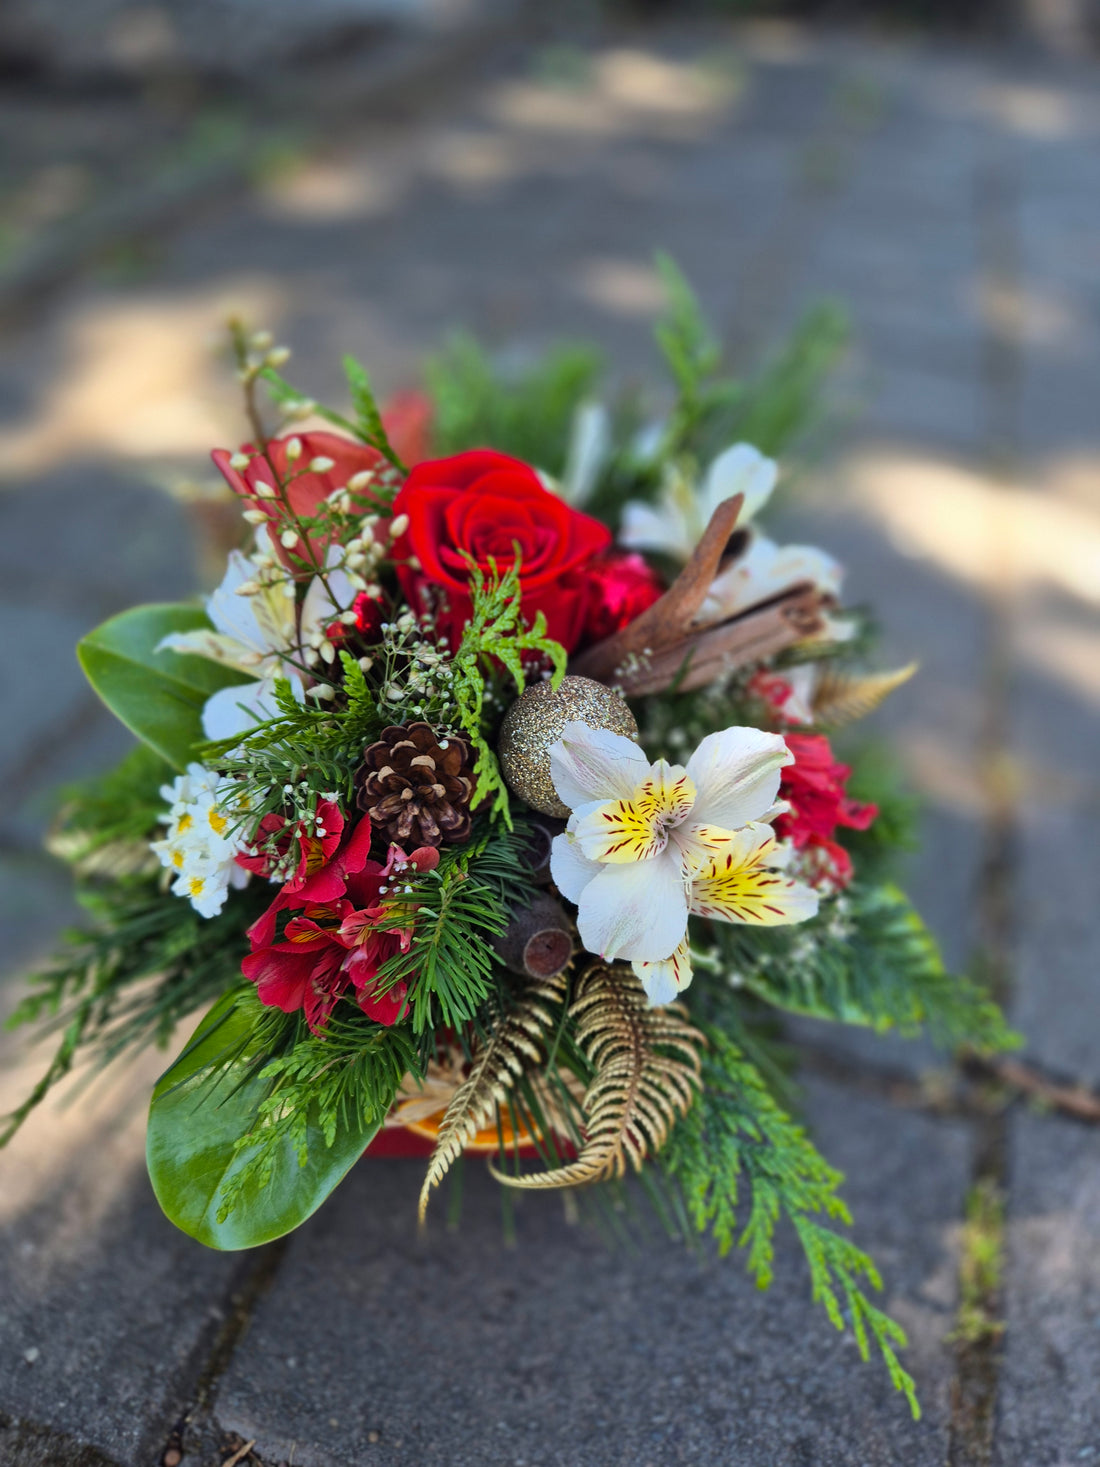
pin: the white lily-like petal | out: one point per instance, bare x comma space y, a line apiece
644, 840
763, 571
235, 710
736, 776
741, 469
666, 980
216, 647
589, 446
594, 764
746, 884
324, 603
570, 868
635, 911
675, 523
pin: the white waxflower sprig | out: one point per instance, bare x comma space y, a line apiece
202, 840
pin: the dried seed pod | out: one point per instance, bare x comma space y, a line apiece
538, 941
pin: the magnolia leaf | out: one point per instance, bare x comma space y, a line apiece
201, 1106
844, 697
159, 696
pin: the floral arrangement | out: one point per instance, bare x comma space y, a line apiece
489, 805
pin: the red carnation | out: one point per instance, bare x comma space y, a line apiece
814, 787
481, 505
622, 585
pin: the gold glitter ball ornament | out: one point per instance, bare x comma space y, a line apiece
536, 720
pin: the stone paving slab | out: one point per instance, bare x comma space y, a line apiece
1049, 1397
375, 1346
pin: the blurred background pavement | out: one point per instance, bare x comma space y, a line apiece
363, 175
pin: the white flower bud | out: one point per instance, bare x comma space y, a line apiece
366, 663
413, 562
256, 516
239, 461
399, 526
328, 651
278, 355
321, 464
263, 491
348, 618
294, 449
289, 538
360, 480
261, 340
248, 588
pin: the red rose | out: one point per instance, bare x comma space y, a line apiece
306, 490
482, 504
814, 786
623, 586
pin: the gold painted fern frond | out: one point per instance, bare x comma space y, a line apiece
843, 697
516, 1046
647, 1066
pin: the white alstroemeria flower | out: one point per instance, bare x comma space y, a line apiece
259, 634
589, 446
675, 524
763, 571
642, 835
744, 883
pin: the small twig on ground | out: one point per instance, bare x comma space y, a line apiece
1075, 1100
240, 1454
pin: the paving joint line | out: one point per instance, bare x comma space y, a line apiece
211, 1358
979, 1335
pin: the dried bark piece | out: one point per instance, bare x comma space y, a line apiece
662, 646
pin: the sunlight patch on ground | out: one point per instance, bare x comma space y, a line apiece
979, 529
141, 380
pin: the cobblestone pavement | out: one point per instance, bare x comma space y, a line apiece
952, 201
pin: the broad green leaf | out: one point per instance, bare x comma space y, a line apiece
200, 1106
159, 696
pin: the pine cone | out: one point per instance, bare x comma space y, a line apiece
416, 787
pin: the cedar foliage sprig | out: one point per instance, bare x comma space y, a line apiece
496, 633
736, 1137
868, 959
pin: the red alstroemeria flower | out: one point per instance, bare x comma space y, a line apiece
306, 969
814, 787
370, 946
314, 851
325, 866
306, 488
481, 505
333, 947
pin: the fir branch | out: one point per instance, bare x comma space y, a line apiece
150, 961
452, 914
527, 413
736, 1134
